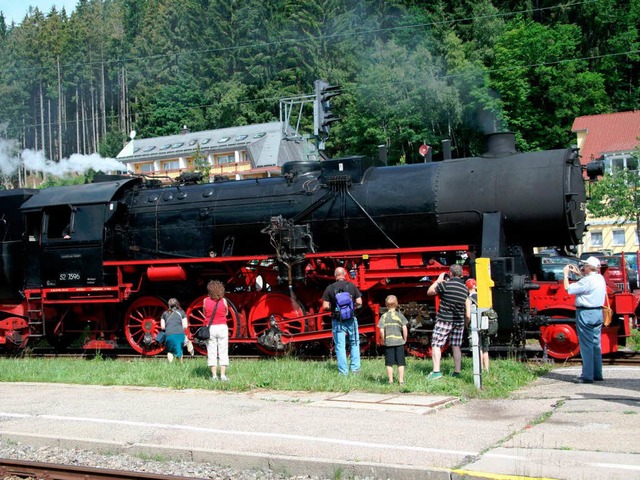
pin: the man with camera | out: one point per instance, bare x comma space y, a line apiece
590, 292
450, 318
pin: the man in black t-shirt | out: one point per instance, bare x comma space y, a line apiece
341, 328
449, 320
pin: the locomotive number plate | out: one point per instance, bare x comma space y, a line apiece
69, 276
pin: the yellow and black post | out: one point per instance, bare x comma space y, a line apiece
484, 283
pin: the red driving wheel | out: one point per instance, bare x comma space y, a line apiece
196, 319
142, 323
560, 339
421, 347
286, 311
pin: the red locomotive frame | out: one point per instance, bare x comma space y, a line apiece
277, 320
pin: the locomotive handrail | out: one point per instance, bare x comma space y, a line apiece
375, 224
314, 206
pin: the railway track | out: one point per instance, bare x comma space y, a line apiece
20, 469
532, 354
627, 358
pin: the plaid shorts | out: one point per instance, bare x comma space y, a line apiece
447, 330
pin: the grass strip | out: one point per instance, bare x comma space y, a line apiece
285, 373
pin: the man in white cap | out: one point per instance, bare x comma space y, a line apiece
590, 293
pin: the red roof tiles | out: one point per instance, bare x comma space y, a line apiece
608, 133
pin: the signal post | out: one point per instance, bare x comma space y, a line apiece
483, 285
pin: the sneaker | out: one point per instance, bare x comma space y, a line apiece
455, 374
434, 376
223, 378
598, 379
190, 347
170, 357
214, 378
582, 380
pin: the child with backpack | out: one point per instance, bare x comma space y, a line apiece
393, 333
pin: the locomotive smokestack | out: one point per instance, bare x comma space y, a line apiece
446, 149
382, 154
500, 144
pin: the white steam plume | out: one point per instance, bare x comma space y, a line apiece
36, 161
8, 162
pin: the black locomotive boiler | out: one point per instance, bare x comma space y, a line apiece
97, 262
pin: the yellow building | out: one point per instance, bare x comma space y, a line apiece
613, 138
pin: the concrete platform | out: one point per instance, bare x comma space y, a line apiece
551, 429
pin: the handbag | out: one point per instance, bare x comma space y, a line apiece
607, 313
202, 334
161, 337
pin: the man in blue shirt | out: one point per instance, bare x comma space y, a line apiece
590, 293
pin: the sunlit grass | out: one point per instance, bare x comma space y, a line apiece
634, 340
286, 373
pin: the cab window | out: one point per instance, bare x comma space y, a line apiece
59, 223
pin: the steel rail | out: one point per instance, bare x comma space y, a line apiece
53, 471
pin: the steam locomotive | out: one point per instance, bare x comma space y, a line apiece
95, 264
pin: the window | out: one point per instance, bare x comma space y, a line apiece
241, 137
618, 238
170, 165
60, 223
177, 145
149, 148
615, 164
136, 150
228, 158
224, 140
260, 135
165, 146
193, 142
596, 239
146, 167
205, 141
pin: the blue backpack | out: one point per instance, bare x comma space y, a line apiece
344, 305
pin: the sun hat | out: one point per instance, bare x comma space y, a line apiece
593, 261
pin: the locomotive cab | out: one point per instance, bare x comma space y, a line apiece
65, 228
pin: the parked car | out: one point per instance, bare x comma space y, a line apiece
586, 255
631, 261
548, 252
611, 268
552, 267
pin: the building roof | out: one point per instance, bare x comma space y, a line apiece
608, 133
265, 142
